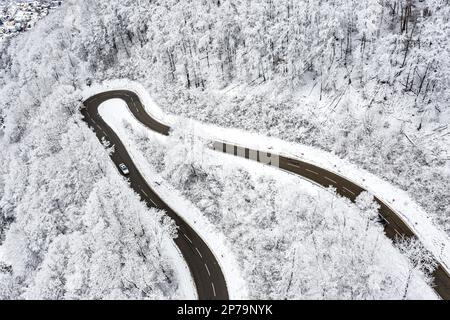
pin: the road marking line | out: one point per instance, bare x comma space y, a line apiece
206, 266
293, 165
330, 180
153, 202
93, 121
311, 171
348, 190
187, 237
214, 289
387, 222
198, 251
398, 233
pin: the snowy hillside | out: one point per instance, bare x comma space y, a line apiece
365, 80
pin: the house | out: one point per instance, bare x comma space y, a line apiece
21, 16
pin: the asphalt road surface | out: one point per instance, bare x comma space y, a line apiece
206, 272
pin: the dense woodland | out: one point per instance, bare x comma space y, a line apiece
367, 80
202, 43
380, 68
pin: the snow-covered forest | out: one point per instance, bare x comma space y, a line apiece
366, 80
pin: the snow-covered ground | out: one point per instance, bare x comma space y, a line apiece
186, 286
115, 112
416, 217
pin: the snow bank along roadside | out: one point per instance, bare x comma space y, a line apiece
413, 215
187, 287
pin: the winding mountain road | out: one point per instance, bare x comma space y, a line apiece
205, 269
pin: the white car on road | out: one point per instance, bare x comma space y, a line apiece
124, 169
